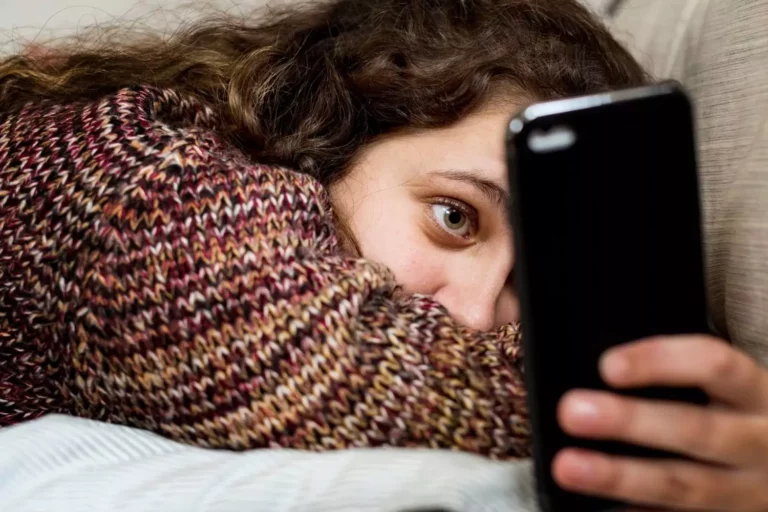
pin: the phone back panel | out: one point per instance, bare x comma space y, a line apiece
608, 248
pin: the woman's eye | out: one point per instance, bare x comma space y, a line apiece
451, 219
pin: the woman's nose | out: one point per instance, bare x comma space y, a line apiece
480, 305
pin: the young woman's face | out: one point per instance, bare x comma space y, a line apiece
432, 206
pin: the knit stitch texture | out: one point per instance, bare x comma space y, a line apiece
151, 275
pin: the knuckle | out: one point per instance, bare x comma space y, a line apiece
624, 416
760, 502
682, 487
701, 434
651, 356
654, 348
722, 363
760, 437
616, 480
753, 441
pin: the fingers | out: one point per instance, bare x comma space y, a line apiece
724, 373
719, 436
729, 447
671, 484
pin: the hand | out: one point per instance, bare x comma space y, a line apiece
728, 437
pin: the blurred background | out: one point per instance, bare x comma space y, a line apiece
25, 21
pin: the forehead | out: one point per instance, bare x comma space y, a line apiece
476, 142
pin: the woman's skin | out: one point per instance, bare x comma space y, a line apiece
431, 206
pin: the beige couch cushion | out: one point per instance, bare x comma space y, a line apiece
719, 50
600, 6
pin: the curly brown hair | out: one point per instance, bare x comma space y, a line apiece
308, 85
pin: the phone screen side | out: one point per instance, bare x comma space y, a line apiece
607, 237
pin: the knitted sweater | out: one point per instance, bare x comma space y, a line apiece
153, 276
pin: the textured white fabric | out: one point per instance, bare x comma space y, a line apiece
66, 464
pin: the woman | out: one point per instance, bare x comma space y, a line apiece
184, 221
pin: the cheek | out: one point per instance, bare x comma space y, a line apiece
418, 269
396, 240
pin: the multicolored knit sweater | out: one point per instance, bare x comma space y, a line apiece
150, 275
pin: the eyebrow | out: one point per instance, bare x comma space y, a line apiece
488, 188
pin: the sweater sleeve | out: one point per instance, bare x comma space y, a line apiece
66, 464
214, 307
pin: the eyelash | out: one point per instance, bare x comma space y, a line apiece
461, 206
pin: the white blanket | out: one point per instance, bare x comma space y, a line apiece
66, 464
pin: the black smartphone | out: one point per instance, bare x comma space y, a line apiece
607, 228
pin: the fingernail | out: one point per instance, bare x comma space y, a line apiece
583, 408
614, 367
